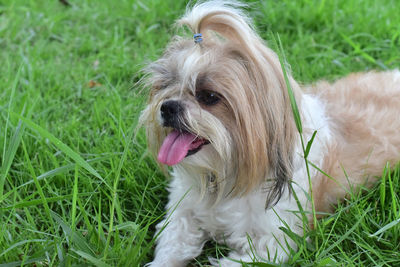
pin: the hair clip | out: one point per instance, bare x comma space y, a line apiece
198, 38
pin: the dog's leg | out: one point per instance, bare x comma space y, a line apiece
180, 240
249, 255
265, 241
231, 260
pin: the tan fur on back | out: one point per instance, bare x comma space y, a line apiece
365, 119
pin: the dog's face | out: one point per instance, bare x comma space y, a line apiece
221, 107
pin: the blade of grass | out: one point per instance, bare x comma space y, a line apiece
63, 147
309, 143
10, 154
74, 237
20, 243
336, 244
91, 259
392, 193
386, 227
13, 87
74, 197
382, 187
18, 263
115, 186
297, 118
36, 202
51, 173
38, 186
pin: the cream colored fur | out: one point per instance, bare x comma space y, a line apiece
238, 185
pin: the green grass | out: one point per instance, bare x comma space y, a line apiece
76, 189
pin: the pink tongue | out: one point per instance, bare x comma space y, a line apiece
175, 147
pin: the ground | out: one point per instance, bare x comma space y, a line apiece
77, 187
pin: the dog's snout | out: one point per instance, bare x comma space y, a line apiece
170, 110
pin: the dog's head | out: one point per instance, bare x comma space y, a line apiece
219, 104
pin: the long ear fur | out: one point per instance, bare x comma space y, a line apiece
266, 135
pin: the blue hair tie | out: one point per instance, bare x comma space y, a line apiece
198, 38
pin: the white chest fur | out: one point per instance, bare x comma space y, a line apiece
233, 220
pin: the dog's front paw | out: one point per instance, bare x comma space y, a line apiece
152, 264
170, 263
224, 262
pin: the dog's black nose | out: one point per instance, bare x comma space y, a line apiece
170, 112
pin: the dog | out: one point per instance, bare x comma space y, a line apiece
220, 113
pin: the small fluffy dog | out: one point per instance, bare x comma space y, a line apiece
220, 114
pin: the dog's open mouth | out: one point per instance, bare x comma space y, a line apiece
178, 145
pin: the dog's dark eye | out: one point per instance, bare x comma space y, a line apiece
207, 97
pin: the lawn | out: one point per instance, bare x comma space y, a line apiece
77, 187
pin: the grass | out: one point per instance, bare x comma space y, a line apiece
76, 189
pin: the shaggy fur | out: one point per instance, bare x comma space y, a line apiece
237, 185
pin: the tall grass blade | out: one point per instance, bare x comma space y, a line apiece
19, 263
343, 237
73, 236
90, 258
293, 103
63, 147
13, 88
20, 243
309, 143
386, 227
10, 154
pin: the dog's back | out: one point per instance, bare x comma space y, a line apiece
364, 114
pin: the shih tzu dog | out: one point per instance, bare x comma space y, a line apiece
220, 114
